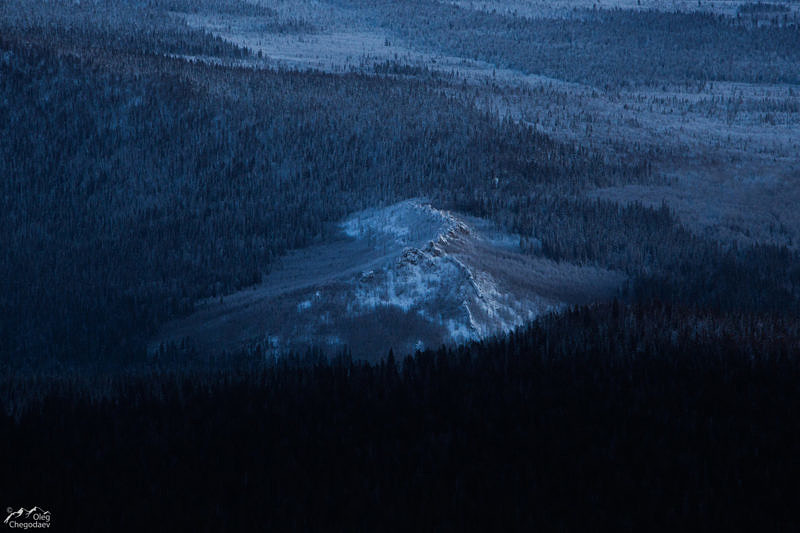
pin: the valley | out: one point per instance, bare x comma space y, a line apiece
725, 153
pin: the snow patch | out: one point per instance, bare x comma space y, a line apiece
407, 223
429, 279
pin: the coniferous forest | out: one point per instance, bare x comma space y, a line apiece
162, 159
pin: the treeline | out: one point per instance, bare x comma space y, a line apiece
762, 7
241, 8
607, 48
109, 27
262, 18
665, 260
603, 418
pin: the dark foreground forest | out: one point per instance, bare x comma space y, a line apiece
147, 165
600, 419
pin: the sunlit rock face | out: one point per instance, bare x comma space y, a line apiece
408, 276
436, 275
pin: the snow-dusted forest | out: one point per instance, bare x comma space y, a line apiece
410, 264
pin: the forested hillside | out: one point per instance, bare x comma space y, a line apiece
648, 418
608, 48
161, 158
139, 184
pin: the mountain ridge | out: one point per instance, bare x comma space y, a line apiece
423, 276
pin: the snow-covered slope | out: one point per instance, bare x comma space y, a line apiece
406, 276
